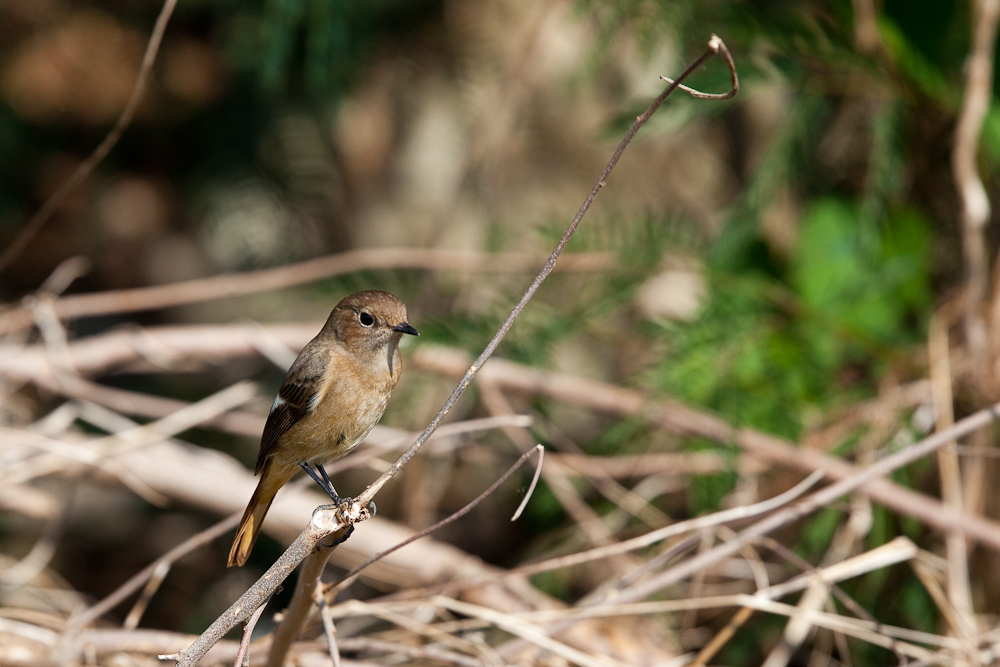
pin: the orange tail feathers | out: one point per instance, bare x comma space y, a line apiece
253, 517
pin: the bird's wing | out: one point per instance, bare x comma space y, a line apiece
296, 399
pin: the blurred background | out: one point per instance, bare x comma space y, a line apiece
774, 259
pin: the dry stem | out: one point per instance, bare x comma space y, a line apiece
814, 502
975, 203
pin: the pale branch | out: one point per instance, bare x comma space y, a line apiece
734, 82
939, 366
681, 527
308, 586
107, 351
819, 499
243, 655
972, 195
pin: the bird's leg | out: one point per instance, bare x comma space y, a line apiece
322, 471
329, 484
324, 483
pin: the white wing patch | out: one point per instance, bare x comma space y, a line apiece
314, 401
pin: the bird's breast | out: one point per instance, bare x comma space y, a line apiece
351, 400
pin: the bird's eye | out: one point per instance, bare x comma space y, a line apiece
366, 319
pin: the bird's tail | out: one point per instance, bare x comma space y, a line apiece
249, 529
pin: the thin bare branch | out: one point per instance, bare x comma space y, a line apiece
526, 631
100, 452
323, 524
38, 558
306, 588
428, 652
636, 465
720, 47
329, 629
959, 591
975, 203
679, 528
493, 398
406, 622
314, 564
899, 550
531, 487
349, 576
723, 636
149, 590
243, 656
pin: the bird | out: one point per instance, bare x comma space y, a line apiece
333, 395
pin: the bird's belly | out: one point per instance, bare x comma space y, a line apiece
335, 430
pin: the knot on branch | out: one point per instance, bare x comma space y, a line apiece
327, 519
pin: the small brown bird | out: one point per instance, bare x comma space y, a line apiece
332, 397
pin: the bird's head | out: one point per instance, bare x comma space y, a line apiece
370, 320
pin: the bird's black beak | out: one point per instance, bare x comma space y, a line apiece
406, 328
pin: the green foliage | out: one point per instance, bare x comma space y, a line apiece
544, 510
818, 533
776, 343
551, 583
707, 491
314, 47
937, 30
766, 350
921, 72
916, 605
858, 288
991, 135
